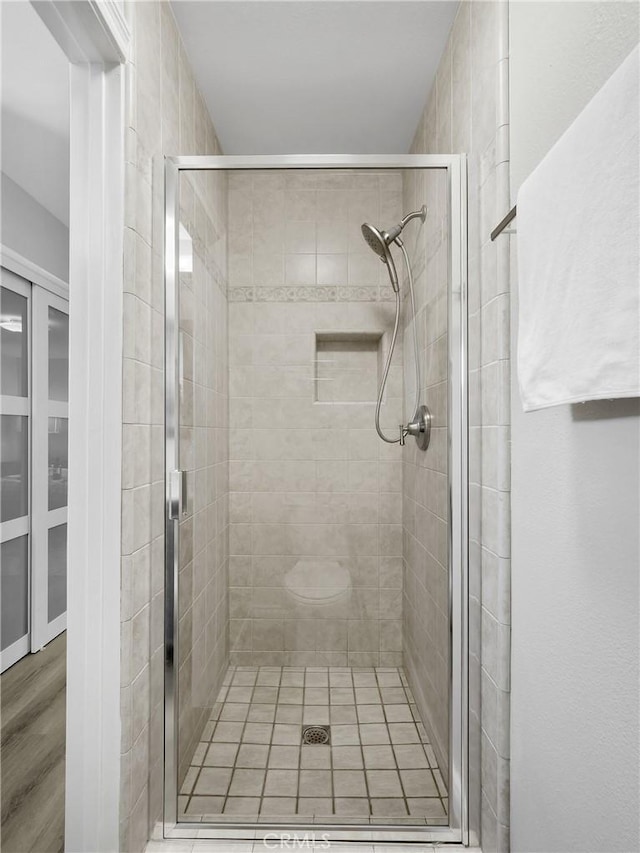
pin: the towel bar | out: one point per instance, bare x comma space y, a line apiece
504, 222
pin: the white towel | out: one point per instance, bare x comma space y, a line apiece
578, 256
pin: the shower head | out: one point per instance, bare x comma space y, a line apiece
376, 240
379, 241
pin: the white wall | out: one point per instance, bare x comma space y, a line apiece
33, 232
575, 510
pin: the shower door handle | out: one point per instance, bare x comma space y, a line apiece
177, 494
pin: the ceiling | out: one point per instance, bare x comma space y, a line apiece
315, 76
35, 108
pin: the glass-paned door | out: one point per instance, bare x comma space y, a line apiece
15, 416
50, 465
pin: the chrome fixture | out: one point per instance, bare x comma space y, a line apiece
419, 428
380, 242
501, 226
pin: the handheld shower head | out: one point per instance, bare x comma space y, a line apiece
379, 241
376, 240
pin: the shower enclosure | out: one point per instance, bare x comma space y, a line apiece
316, 637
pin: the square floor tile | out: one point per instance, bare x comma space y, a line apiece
265, 695
315, 806
292, 679
393, 696
284, 757
268, 678
261, 713
340, 678
370, 714
372, 733
289, 714
213, 780
244, 678
379, 757
252, 755
343, 715
440, 782
418, 783
316, 679
205, 805
341, 696
316, 757
234, 711
316, 696
239, 694
228, 732
389, 679
349, 783
315, 715
367, 696
290, 696
398, 714
221, 754
189, 780
431, 756
345, 735
315, 783
404, 733
281, 783
426, 807
247, 783
199, 753
284, 806
350, 807
286, 734
384, 783
257, 733
409, 756
390, 807
347, 758
242, 805
364, 678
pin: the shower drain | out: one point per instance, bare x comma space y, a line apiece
316, 735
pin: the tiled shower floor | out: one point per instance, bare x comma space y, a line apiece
251, 764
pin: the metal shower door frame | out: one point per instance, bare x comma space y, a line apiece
457, 832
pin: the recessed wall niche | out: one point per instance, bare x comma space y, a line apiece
347, 366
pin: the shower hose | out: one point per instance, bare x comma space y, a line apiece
394, 337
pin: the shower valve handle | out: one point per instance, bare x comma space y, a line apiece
419, 428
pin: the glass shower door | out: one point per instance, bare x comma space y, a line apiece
291, 529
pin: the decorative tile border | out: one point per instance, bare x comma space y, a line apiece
316, 293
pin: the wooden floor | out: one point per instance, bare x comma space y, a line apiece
33, 709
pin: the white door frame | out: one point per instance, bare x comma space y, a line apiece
95, 37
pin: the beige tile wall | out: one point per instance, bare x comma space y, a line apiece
467, 112
296, 235
165, 113
310, 481
425, 475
